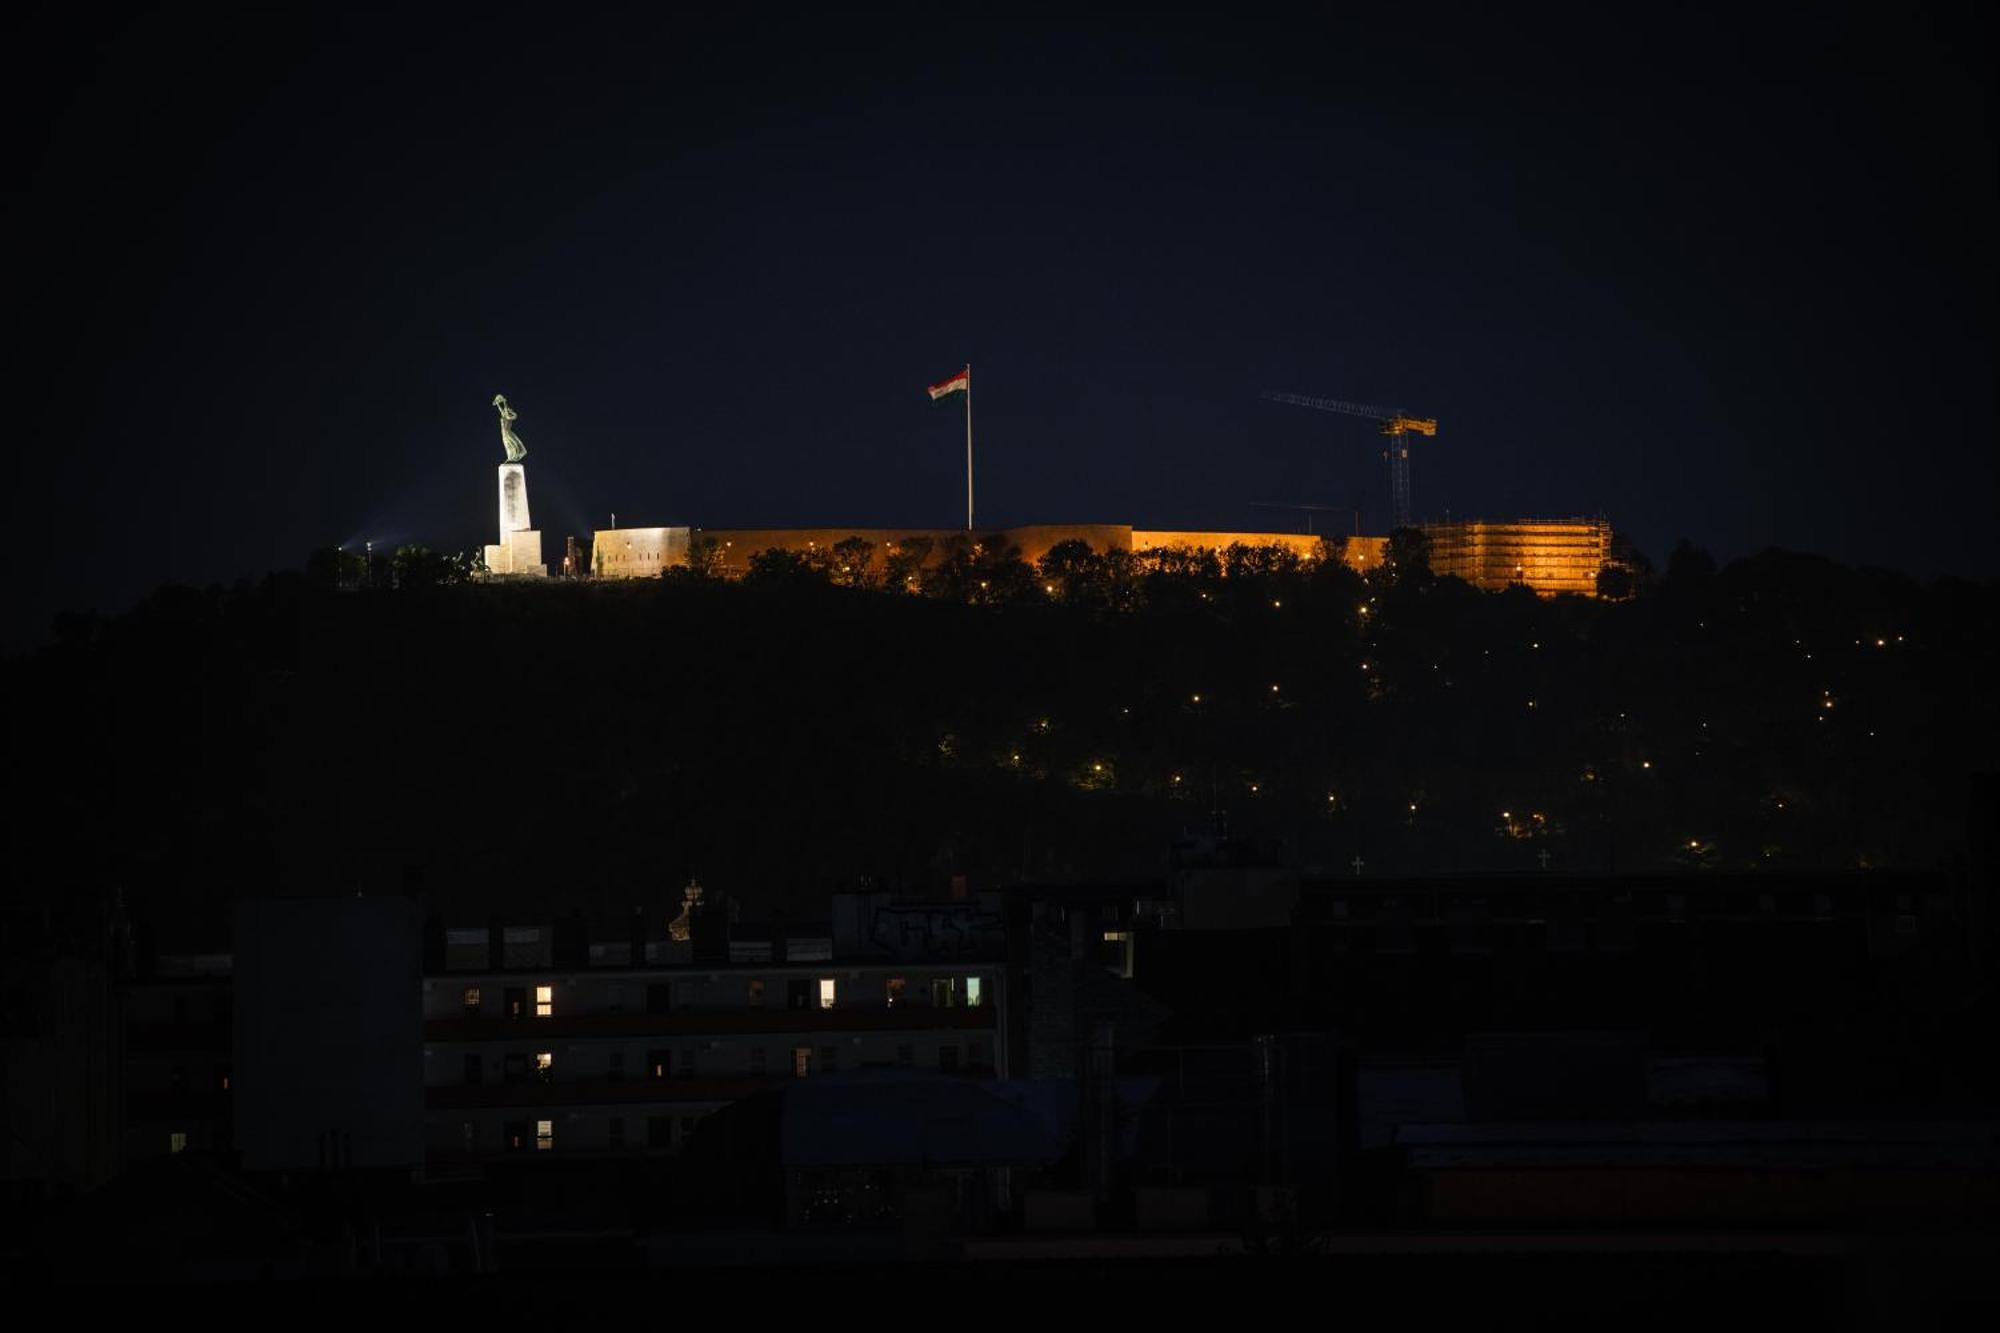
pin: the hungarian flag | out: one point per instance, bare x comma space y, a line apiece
959, 383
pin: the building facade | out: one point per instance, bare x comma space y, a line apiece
1550, 556
627, 553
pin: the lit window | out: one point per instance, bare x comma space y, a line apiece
177, 1142
896, 986
972, 992
826, 990
545, 1065
802, 1060
545, 1001
545, 1135
472, 999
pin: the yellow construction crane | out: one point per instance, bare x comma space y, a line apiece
1393, 422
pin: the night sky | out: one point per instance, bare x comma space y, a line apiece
1724, 280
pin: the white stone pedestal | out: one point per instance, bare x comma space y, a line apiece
519, 550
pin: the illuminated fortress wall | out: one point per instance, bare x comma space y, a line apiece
1550, 556
1553, 556
1361, 553
636, 553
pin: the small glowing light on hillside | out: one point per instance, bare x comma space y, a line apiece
1881, 643
1413, 807
1531, 703
1275, 604
1253, 789
1097, 768
1364, 608
1197, 698
1274, 689
1014, 758
1175, 779
1506, 814
1645, 763
1048, 587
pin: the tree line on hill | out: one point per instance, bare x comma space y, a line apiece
519, 747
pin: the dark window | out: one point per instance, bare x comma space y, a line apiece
519, 1136
906, 1055
515, 1068
617, 1070
517, 1002
659, 1064
660, 997
798, 993
659, 1131
829, 1058
617, 1131
948, 1058
474, 1072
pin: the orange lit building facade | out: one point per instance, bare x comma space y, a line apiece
648, 552
1551, 556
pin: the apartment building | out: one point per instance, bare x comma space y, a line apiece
622, 1047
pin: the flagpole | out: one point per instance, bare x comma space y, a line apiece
968, 446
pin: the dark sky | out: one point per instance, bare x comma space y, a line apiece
1709, 276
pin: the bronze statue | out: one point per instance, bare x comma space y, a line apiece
516, 451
